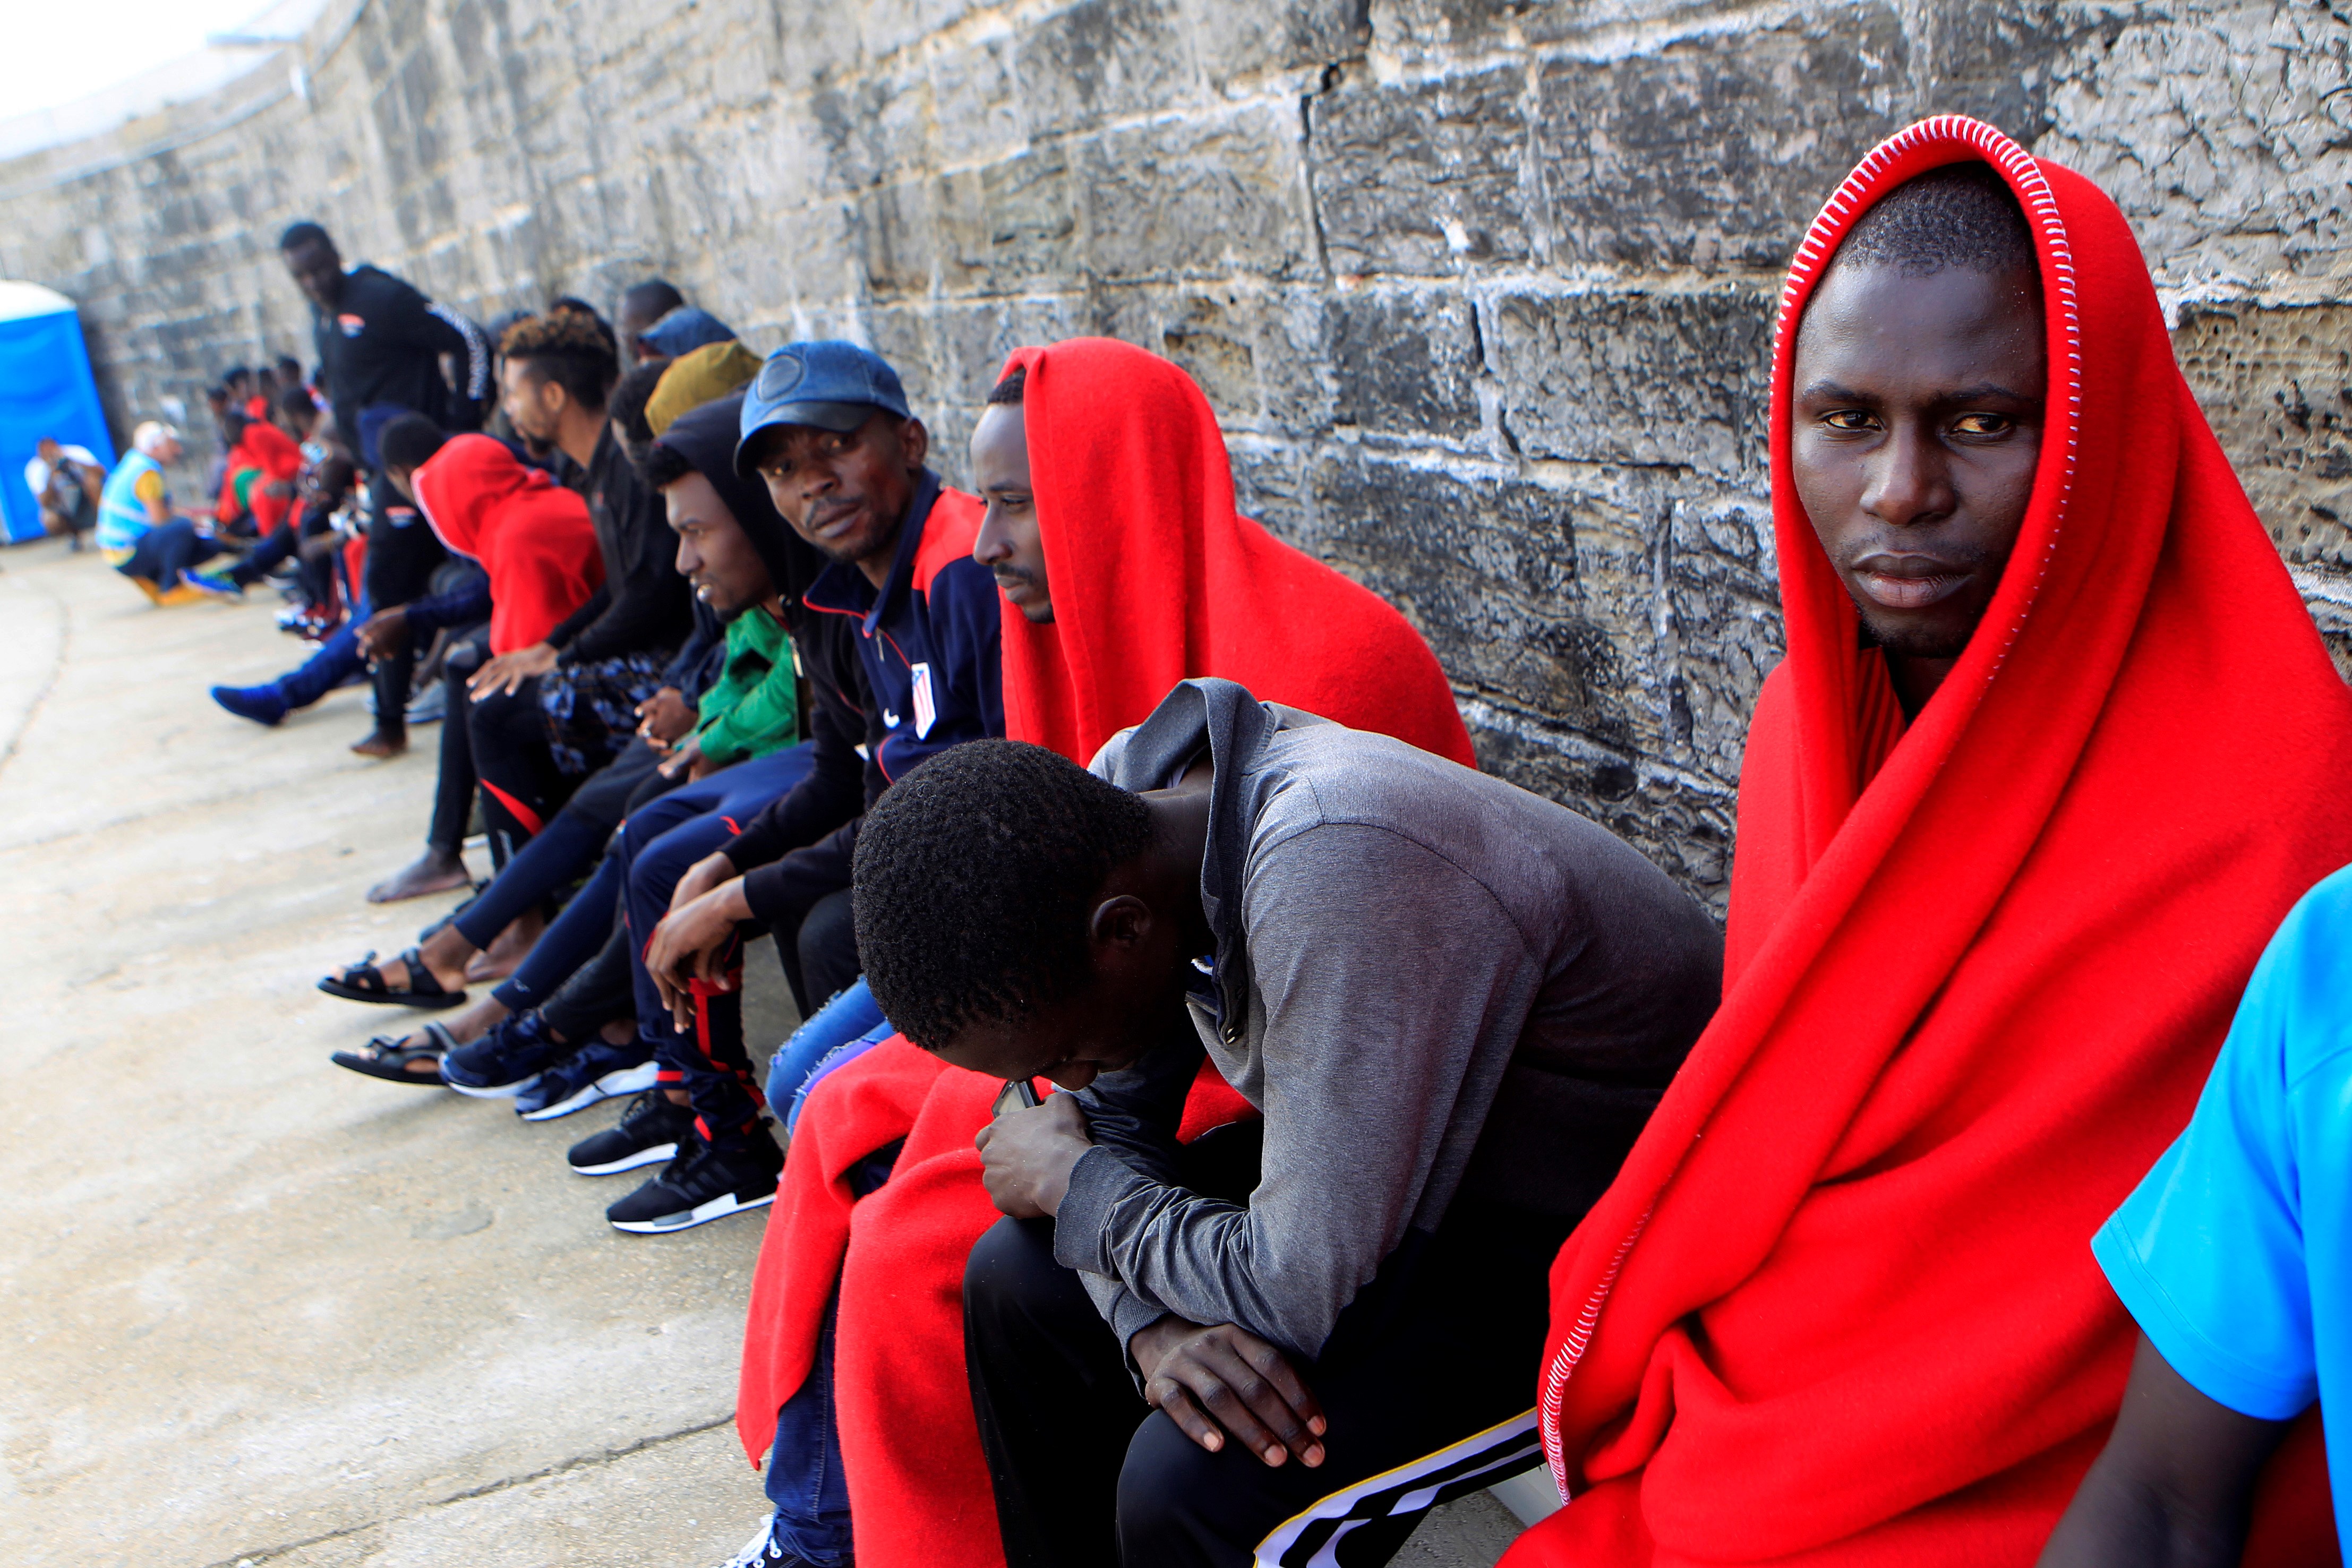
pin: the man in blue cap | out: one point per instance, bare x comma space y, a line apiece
826, 426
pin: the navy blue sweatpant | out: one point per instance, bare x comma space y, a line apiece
658, 844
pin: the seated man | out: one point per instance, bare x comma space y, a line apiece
343, 658
297, 417
1112, 535
739, 754
1454, 1002
2235, 1256
140, 533
2014, 819
64, 481
827, 429
538, 551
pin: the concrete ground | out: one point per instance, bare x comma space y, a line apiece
258, 1310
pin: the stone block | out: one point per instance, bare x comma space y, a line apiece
1212, 194
1104, 59
1716, 151
1214, 336
1622, 375
1404, 362
1484, 565
1014, 223
2276, 385
1234, 42
1421, 176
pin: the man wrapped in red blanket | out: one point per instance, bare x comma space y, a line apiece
1111, 524
2010, 840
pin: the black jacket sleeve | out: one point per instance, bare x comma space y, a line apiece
438, 329
831, 794
591, 609
462, 607
649, 607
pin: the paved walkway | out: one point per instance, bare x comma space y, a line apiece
255, 1309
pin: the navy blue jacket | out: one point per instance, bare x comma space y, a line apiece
929, 638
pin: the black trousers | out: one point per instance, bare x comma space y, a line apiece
598, 991
820, 958
1443, 1347
522, 785
453, 790
807, 897
402, 551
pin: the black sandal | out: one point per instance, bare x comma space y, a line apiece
363, 982
386, 1058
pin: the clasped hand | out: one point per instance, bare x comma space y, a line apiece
1025, 1156
1211, 1381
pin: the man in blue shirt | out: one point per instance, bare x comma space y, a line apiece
2235, 1256
826, 426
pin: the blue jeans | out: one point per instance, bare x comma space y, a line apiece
805, 1475
337, 661
165, 550
840, 1022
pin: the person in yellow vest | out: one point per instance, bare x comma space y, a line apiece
138, 532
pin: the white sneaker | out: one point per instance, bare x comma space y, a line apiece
761, 1551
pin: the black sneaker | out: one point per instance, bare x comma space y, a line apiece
649, 1132
706, 1182
505, 1061
597, 1071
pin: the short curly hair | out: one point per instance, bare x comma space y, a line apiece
1961, 215
973, 879
574, 351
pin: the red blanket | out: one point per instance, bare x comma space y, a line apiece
1840, 1306
1154, 577
272, 457
532, 535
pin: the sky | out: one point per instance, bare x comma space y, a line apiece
57, 52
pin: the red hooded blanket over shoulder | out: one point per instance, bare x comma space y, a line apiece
1155, 577
1840, 1305
532, 535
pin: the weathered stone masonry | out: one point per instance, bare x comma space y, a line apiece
1481, 289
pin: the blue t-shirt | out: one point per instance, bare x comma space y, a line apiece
2235, 1253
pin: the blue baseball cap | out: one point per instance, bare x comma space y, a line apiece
830, 385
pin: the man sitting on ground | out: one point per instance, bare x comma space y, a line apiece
297, 418
2013, 824
2235, 1258
826, 426
538, 551
140, 533
581, 684
1112, 534
748, 564
65, 481
1455, 1003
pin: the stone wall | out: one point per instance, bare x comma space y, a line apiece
1480, 287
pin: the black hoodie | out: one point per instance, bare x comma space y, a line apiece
844, 720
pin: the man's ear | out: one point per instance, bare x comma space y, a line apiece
1119, 926
918, 443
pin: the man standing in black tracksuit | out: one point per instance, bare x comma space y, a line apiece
380, 344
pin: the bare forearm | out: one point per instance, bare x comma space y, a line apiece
2119, 1523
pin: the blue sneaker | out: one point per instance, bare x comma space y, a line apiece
262, 704
218, 586
505, 1061
597, 1071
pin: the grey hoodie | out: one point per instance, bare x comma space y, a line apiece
1431, 983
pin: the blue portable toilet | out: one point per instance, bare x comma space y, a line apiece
45, 389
